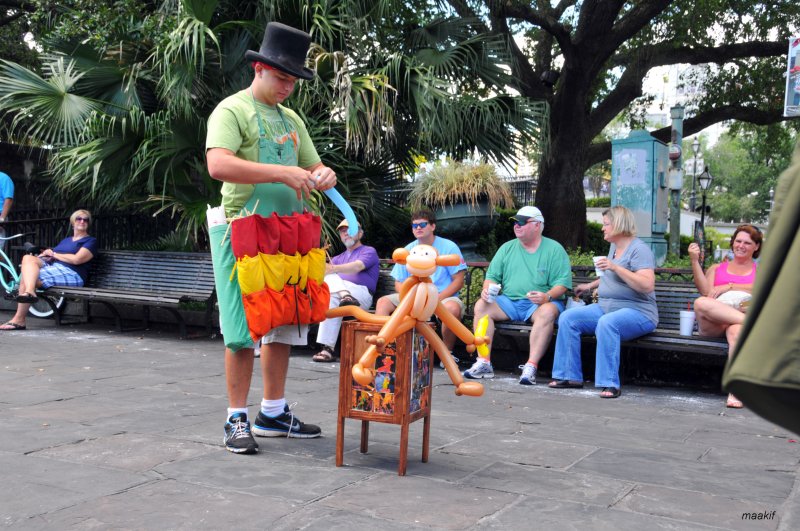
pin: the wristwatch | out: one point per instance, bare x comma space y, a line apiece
549, 297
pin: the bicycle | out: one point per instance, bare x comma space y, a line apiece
9, 280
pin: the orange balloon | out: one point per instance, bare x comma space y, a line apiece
462, 387
407, 285
448, 260
357, 312
454, 325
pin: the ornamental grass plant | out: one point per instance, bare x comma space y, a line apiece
453, 182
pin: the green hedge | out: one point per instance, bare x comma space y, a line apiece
599, 202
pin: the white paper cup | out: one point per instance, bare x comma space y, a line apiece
492, 292
216, 216
687, 322
597, 271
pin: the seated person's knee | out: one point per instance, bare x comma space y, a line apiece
384, 306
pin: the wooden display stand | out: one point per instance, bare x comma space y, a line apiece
401, 392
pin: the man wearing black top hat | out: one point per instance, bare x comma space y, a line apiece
262, 153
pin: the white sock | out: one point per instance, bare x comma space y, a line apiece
273, 408
233, 410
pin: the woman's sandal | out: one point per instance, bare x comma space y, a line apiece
734, 402
348, 300
27, 298
324, 356
13, 326
610, 392
565, 384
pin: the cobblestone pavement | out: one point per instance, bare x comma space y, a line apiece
102, 430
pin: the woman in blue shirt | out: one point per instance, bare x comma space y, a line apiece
66, 264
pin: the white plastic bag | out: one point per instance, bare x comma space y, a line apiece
574, 302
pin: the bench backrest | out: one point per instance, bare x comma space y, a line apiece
190, 274
671, 298
385, 283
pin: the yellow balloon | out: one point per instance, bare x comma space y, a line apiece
483, 325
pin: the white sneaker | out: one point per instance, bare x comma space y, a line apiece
528, 374
479, 369
441, 363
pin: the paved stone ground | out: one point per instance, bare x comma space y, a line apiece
101, 430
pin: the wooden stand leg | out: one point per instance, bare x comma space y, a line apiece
401, 468
340, 441
364, 436
426, 436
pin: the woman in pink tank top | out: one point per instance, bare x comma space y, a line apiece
714, 317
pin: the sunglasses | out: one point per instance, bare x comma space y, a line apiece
519, 223
420, 225
80, 218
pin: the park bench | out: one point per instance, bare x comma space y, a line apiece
672, 296
168, 280
674, 292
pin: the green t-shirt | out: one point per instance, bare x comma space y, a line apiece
520, 271
233, 125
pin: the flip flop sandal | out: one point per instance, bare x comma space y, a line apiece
27, 298
14, 326
323, 356
348, 300
565, 384
613, 392
734, 403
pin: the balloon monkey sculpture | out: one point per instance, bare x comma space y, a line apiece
419, 299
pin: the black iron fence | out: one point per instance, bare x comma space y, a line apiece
114, 231
523, 190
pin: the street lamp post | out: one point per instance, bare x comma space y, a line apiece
771, 200
705, 181
693, 197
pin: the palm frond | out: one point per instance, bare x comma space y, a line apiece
45, 109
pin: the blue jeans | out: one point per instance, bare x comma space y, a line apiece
609, 329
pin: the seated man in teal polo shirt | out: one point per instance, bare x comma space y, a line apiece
534, 273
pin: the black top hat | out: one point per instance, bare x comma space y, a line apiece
285, 48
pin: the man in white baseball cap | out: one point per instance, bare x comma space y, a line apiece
535, 273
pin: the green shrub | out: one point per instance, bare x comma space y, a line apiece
595, 243
502, 232
583, 258
598, 202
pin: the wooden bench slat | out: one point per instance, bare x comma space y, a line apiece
147, 278
672, 296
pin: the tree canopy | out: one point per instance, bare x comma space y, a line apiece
589, 58
125, 90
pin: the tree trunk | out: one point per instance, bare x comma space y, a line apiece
560, 196
559, 193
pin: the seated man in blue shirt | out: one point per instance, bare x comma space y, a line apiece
448, 280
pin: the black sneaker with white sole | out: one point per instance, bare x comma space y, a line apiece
238, 438
284, 425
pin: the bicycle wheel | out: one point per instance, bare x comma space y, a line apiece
43, 310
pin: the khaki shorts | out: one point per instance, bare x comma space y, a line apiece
287, 335
394, 298
284, 334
